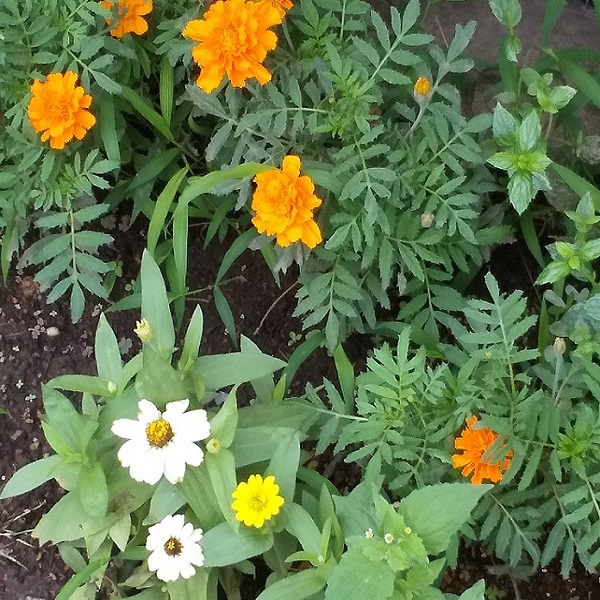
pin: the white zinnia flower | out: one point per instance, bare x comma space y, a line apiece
174, 548
161, 443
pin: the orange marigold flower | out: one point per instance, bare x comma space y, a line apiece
234, 39
282, 6
131, 16
475, 443
422, 89
57, 109
284, 202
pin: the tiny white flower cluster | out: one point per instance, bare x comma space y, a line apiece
163, 443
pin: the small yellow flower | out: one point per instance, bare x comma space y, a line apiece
388, 538
256, 500
407, 530
422, 89
144, 330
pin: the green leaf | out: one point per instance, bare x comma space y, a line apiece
108, 355
224, 424
436, 512
193, 338
206, 183
92, 490
160, 381
475, 592
301, 525
193, 588
108, 129
529, 132
155, 305
31, 476
225, 313
146, 111
504, 126
355, 576
166, 90
221, 470
162, 207
222, 370
508, 12
284, 465
297, 586
224, 546
520, 190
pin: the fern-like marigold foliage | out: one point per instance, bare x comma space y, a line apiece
131, 16
57, 109
284, 202
475, 443
234, 38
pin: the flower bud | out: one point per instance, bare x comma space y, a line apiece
427, 220
407, 530
213, 446
112, 387
144, 331
422, 89
559, 346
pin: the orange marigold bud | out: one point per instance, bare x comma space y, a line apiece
57, 109
131, 16
284, 202
234, 38
475, 443
422, 89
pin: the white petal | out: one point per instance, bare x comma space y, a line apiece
147, 411
169, 570
186, 570
149, 469
155, 560
177, 524
174, 465
132, 451
194, 455
128, 428
195, 555
193, 425
175, 409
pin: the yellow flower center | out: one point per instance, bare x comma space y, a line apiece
258, 504
159, 433
173, 547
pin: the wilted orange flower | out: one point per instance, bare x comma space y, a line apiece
422, 89
282, 6
475, 443
234, 40
131, 16
284, 203
57, 109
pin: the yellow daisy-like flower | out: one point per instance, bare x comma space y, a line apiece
131, 16
282, 6
475, 443
57, 109
256, 500
234, 38
422, 89
284, 202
